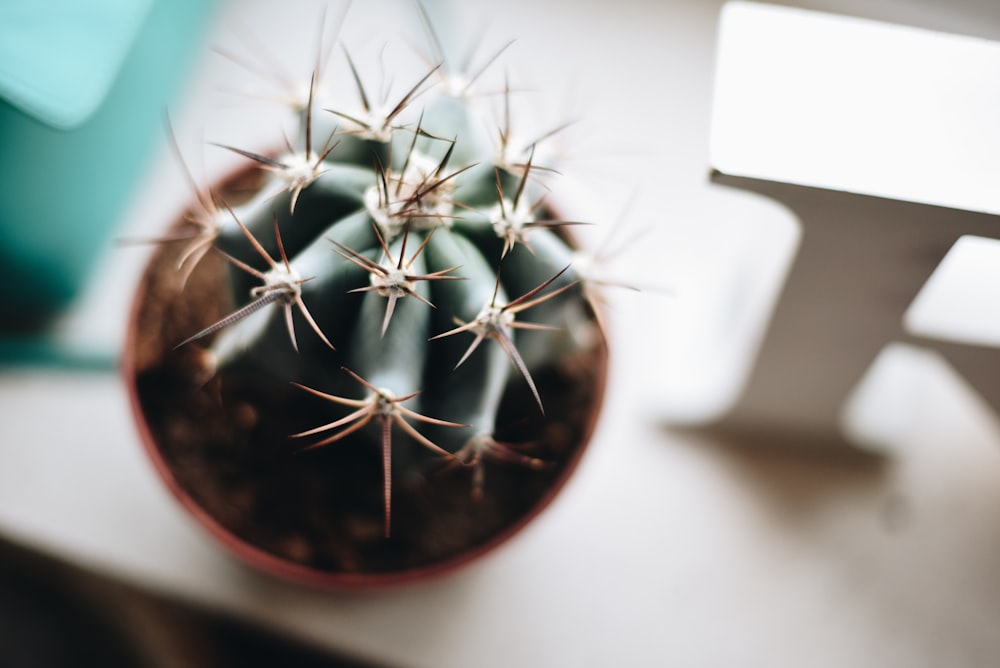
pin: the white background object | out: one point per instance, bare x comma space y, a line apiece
960, 301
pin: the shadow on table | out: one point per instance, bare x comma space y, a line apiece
53, 614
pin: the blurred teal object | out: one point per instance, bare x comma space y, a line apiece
84, 89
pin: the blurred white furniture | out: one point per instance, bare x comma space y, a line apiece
883, 141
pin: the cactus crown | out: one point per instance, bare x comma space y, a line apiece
401, 267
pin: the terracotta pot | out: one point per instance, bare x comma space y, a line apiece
221, 446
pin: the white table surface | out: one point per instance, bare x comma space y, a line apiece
663, 550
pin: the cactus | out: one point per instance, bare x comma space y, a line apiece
398, 271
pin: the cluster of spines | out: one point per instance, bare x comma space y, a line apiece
415, 199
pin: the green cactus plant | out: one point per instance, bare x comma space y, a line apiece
391, 285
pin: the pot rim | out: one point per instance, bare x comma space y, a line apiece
267, 562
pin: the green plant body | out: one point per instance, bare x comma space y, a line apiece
401, 267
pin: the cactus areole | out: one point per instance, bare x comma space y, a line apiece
369, 357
